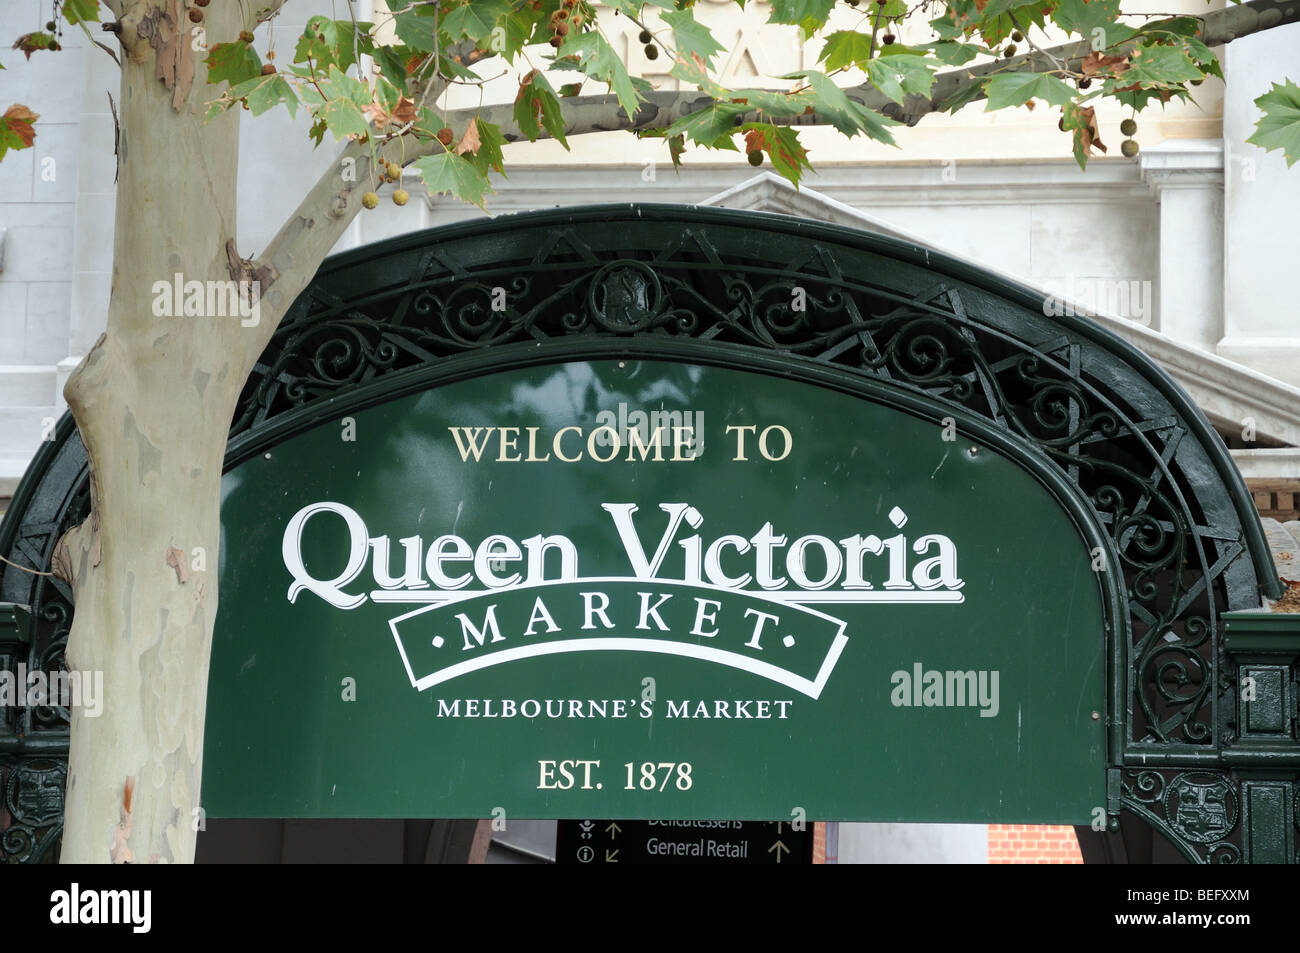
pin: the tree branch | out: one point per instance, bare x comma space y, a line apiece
662, 108
307, 236
327, 210
320, 220
435, 86
265, 9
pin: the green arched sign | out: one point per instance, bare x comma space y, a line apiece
801, 597
648, 511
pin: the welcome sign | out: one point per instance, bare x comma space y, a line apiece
649, 589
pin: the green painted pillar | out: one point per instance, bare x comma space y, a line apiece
1265, 646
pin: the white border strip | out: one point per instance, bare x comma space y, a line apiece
812, 688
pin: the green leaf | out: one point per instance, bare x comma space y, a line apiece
1016, 89
599, 61
30, 43
995, 8
964, 96
519, 28
1079, 122
427, 123
1084, 16
896, 76
1198, 51
343, 118
1279, 127
340, 85
17, 128
691, 69
781, 144
810, 14
417, 32
264, 93
847, 116
691, 36
450, 68
454, 175
387, 94
233, 62
537, 107
998, 20
333, 43
714, 126
475, 19
392, 64
1156, 66
1179, 26
677, 148
341, 107
954, 54
776, 105
947, 28
569, 90
78, 11
488, 157
845, 49
632, 8
317, 39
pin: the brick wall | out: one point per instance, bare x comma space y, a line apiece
1032, 844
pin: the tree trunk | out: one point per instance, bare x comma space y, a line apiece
153, 402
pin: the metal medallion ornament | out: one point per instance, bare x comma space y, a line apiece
1201, 807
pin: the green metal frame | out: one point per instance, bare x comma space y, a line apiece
1118, 443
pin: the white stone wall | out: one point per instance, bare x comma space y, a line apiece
913, 843
1262, 220
38, 212
1167, 241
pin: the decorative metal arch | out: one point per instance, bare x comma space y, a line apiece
710, 285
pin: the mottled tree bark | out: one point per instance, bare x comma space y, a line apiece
153, 402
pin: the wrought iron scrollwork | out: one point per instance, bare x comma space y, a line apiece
750, 283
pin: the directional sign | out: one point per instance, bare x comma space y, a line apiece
683, 842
